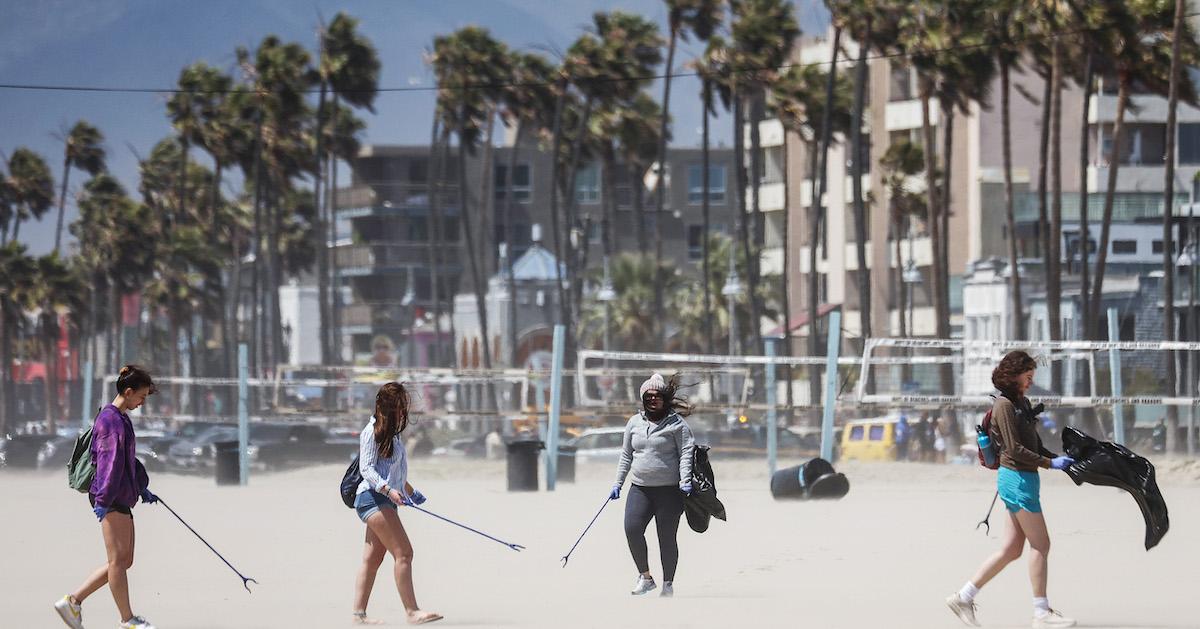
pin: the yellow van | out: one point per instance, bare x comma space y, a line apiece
869, 439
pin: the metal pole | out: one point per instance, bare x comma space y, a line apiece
772, 416
87, 395
833, 345
1114, 369
556, 375
243, 417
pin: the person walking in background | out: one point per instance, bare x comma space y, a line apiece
1021, 456
383, 463
656, 455
119, 482
902, 438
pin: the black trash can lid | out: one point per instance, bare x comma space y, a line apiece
522, 444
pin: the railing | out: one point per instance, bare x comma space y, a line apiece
384, 255
1127, 206
395, 195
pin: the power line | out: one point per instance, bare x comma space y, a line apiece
571, 79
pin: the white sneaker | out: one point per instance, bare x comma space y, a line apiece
1053, 619
965, 611
137, 622
71, 613
668, 590
643, 585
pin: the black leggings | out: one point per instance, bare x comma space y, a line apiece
665, 505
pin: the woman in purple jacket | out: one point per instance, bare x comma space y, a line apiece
120, 481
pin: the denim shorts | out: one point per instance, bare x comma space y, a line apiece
1019, 490
370, 502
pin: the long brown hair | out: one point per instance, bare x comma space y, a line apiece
1004, 376
391, 416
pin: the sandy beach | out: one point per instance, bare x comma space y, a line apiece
885, 556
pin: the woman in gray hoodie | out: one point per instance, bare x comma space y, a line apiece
656, 455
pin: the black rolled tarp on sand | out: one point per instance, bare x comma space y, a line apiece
1113, 465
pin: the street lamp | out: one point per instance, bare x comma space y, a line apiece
731, 291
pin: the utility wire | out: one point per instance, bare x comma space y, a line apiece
571, 79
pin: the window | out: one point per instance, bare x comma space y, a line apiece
1156, 247
900, 84
418, 229
1189, 143
856, 433
520, 183
418, 171
449, 229
593, 233
1142, 144
772, 166
1126, 247
695, 236
587, 184
876, 433
716, 183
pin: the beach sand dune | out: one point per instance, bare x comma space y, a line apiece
885, 556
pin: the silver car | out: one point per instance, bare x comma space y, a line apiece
599, 445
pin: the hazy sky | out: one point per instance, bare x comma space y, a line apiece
144, 44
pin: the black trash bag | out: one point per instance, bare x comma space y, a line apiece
815, 479
702, 504
1113, 465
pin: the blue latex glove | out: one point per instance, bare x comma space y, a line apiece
686, 488
616, 492
100, 512
148, 497
417, 498
1061, 462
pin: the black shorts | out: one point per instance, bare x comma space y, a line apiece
116, 508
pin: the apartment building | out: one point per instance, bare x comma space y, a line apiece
388, 257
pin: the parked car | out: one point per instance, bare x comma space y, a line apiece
22, 450
55, 453
161, 444
470, 447
599, 444
280, 445
869, 439
198, 453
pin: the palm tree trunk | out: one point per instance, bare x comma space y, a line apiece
856, 172
1053, 251
173, 353
256, 312
943, 250
510, 240
822, 174
608, 197
1168, 246
62, 203
233, 301
935, 233
319, 233
1014, 276
705, 211
660, 193
813, 278
1109, 198
639, 206
1043, 188
1084, 228
753, 224
739, 183
487, 200
194, 363
785, 297
335, 282
435, 231
472, 253
6, 351
555, 176
574, 258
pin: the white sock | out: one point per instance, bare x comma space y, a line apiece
1041, 606
968, 592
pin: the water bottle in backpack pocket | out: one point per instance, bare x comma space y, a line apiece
989, 455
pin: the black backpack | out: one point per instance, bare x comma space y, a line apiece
350, 482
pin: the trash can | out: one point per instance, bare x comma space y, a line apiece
566, 464
523, 464
225, 462
814, 479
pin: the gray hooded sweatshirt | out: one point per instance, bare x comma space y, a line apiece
656, 454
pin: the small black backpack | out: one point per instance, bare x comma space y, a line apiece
350, 482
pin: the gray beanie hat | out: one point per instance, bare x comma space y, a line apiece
654, 383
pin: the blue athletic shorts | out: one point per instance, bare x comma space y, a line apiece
370, 502
1020, 490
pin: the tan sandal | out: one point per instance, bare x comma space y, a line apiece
424, 620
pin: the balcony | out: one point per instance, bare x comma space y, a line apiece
1127, 206
368, 259
385, 198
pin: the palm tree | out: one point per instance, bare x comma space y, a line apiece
30, 187
349, 66
1168, 244
462, 60
528, 105
763, 34
58, 287
1138, 49
690, 313
635, 277
715, 72
702, 18
84, 150
17, 280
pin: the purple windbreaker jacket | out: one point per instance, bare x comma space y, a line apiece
120, 477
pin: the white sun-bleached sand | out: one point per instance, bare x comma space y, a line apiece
885, 556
